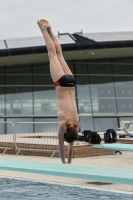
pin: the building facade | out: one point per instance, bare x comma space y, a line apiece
104, 79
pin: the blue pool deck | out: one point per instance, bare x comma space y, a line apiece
97, 173
115, 146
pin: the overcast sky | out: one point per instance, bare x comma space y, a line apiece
18, 17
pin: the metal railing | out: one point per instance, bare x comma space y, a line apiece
7, 137
39, 136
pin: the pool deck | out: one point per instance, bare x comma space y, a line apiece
119, 161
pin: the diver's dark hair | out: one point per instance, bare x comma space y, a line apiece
71, 135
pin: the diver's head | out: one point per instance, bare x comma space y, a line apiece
71, 134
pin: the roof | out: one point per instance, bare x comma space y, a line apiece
67, 38
74, 46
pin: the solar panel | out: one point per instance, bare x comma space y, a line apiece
35, 41
109, 36
65, 39
25, 42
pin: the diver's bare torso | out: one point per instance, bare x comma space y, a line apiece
66, 106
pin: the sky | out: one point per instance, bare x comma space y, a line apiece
18, 17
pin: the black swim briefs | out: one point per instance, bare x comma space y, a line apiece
66, 81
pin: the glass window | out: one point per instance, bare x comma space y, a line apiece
2, 126
2, 106
102, 91
1, 76
83, 91
41, 68
123, 80
1, 79
70, 65
81, 67
42, 80
50, 119
19, 69
19, 106
99, 66
12, 92
45, 107
2, 92
125, 105
25, 127
50, 128
82, 80
103, 105
102, 124
101, 80
45, 91
84, 105
122, 66
86, 123
18, 79
18, 75
1, 70
124, 91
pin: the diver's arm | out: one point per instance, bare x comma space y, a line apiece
70, 147
61, 132
70, 152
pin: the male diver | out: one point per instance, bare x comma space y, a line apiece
64, 82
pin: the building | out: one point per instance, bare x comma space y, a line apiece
101, 62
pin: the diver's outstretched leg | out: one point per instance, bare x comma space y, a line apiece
60, 56
55, 66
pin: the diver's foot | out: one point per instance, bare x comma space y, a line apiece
43, 24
